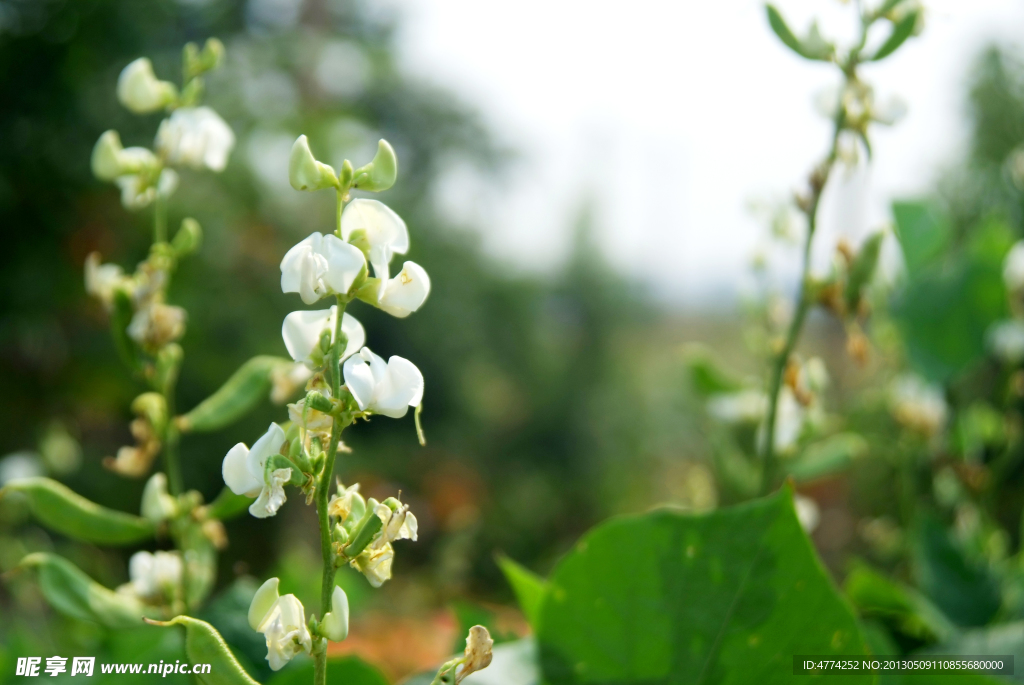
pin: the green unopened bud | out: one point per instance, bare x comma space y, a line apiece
392, 503
325, 342
196, 62
213, 53
379, 174
369, 291
315, 400
141, 91
188, 238
168, 361
106, 156
153, 408
339, 534
305, 172
346, 175
294, 448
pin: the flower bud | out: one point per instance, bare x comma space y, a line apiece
106, 156
157, 504
335, 624
379, 174
168, 362
153, 407
188, 238
140, 91
305, 172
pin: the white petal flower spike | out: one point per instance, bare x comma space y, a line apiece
320, 265
195, 137
385, 232
243, 471
301, 332
383, 388
406, 292
282, 620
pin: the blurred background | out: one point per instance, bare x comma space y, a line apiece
587, 185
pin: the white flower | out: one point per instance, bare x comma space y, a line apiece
243, 471
406, 292
335, 622
195, 137
137, 193
1006, 340
320, 265
375, 563
157, 503
101, 280
744, 406
388, 389
917, 405
141, 91
399, 524
282, 620
348, 502
110, 160
154, 575
301, 332
790, 416
1013, 267
384, 231
311, 419
157, 324
286, 379
807, 512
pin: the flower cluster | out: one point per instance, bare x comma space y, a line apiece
344, 381
192, 135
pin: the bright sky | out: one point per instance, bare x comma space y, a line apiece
674, 116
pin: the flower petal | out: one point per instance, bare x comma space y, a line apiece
269, 444
262, 602
236, 473
406, 292
385, 231
335, 622
359, 380
344, 263
301, 331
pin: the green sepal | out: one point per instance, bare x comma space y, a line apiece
901, 31
246, 388
63, 510
279, 461
70, 591
227, 505
315, 400
204, 645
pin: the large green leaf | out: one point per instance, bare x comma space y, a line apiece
961, 587
726, 597
922, 231
528, 586
948, 306
65, 511
876, 596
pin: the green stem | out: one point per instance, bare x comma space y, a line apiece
804, 300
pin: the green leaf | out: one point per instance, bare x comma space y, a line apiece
947, 307
907, 611
962, 588
1004, 639
827, 457
204, 645
345, 671
727, 597
922, 232
65, 511
70, 591
900, 32
228, 505
813, 47
706, 375
528, 586
246, 388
